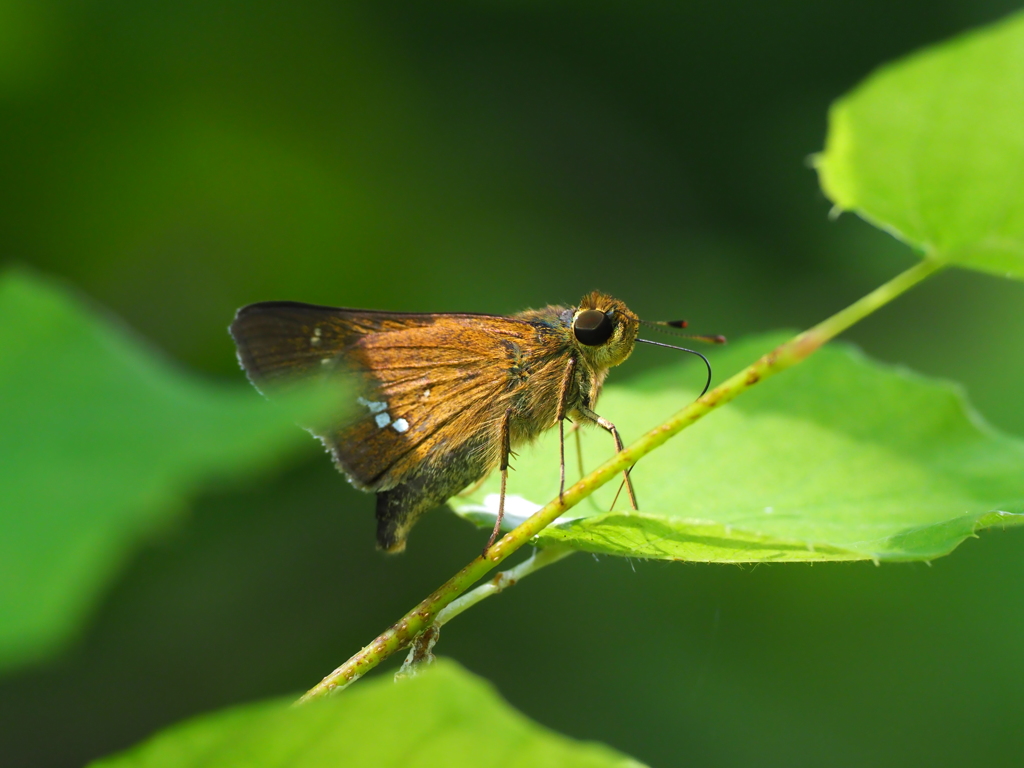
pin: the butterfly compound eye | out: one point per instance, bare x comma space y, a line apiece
592, 327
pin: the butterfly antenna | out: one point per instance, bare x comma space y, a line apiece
707, 362
670, 326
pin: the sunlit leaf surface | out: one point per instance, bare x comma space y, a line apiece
840, 458
931, 148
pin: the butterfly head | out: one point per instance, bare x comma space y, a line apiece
604, 329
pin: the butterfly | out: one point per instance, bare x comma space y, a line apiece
439, 400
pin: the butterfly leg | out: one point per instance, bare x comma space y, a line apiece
506, 449
575, 431
563, 395
607, 425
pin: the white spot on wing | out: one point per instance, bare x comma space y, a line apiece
400, 425
382, 420
374, 407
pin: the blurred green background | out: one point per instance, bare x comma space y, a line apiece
178, 160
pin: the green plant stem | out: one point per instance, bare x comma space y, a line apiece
785, 356
420, 649
541, 558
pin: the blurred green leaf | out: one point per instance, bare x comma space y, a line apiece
442, 717
840, 458
29, 34
931, 148
101, 445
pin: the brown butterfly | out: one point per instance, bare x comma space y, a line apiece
441, 399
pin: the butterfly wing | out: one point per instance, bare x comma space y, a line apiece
432, 391
417, 377
282, 341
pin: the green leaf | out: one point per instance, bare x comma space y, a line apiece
931, 149
840, 458
442, 717
102, 443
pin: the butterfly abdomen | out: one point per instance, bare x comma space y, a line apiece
429, 485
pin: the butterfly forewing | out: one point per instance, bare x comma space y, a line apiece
424, 384
280, 341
